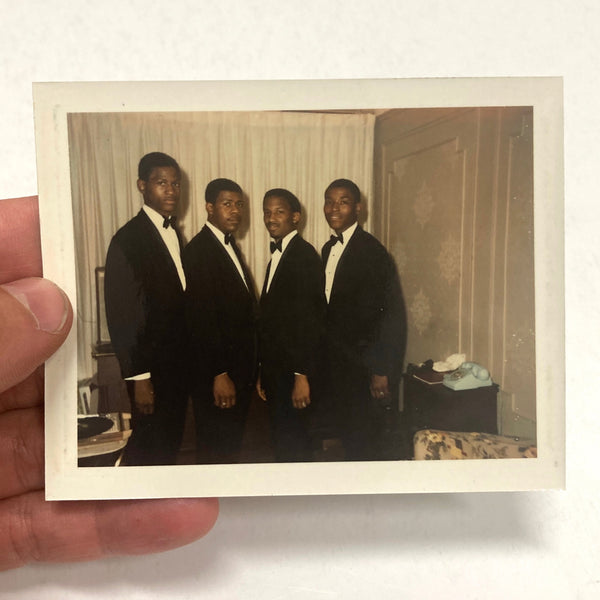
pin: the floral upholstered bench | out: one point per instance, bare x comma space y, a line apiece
432, 444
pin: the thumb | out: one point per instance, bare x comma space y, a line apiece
35, 318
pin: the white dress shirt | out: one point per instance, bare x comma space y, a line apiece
169, 237
334, 258
276, 256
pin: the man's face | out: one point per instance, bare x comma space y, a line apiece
226, 213
161, 191
341, 209
279, 218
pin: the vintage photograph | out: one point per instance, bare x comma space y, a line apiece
324, 292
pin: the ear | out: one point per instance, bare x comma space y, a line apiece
210, 208
141, 185
296, 218
358, 207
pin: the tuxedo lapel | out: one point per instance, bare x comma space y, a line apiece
326, 251
229, 267
266, 281
280, 265
247, 275
149, 232
342, 273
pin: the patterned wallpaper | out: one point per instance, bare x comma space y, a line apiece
424, 233
455, 207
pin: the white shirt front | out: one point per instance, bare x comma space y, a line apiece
229, 249
276, 256
169, 237
334, 258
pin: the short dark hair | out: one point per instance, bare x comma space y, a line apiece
216, 186
286, 195
155, 159
345, 183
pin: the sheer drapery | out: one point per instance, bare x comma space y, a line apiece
302, 152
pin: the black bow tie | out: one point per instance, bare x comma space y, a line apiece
276, 246
334, 239
169, 221
229, 239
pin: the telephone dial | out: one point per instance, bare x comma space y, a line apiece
468, 376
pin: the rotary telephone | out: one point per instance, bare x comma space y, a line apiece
468, 376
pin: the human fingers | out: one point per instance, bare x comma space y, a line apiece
40, 531
261, 392
144, 396
379, 386
22, 436
21, 254
220, 401
21, 451
27, 393
35, 318
300, 391
225, 402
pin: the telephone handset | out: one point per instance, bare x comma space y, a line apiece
468, 376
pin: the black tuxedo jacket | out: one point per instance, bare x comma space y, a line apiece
292, 311
366, 321
144, 301
221, 313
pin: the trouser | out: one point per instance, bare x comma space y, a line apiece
363, 423
219, 431
156, 438
289, 425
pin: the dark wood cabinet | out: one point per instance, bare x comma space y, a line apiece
434, 406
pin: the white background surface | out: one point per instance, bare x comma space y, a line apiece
529, 545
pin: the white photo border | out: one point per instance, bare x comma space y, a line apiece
66, 481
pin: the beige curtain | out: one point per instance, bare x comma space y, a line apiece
302, 152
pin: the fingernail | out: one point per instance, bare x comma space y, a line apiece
46, 302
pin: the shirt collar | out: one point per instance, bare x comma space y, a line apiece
348, 233
287, 239
218, 233
154, 216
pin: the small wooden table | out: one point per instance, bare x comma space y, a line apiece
434, 406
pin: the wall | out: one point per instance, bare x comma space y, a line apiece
453, 202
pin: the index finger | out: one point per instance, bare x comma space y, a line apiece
21, 254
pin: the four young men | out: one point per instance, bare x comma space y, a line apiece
325, 340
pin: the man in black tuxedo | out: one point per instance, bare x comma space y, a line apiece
221, 314
292, 311
144, 295
366, 326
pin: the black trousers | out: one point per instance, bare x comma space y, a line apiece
156, 438
219, 431
363, 423
289, 425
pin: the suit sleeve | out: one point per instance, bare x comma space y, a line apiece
208, 349
386, 355
309, 315
125, 300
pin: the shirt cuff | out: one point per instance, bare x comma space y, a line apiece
140, 377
